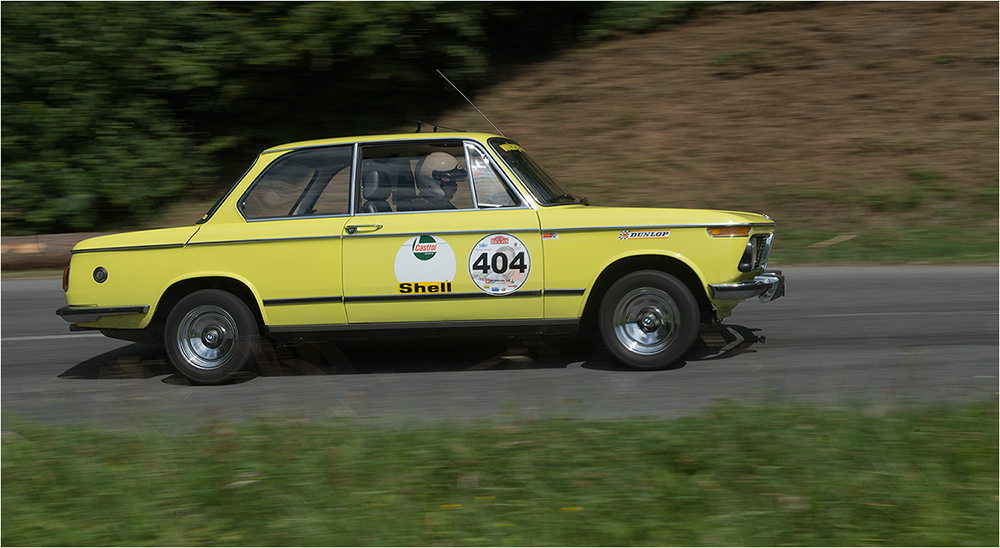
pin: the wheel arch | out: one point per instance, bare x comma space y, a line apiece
625, 265
177, 290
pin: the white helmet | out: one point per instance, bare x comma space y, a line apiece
436, 169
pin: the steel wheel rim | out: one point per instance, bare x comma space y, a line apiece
206, 337
646, 321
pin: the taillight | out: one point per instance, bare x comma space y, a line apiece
66, 279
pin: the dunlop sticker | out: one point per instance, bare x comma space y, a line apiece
643, 234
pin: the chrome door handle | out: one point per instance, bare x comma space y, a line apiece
351, 229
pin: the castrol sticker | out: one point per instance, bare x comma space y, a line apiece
425, 264
499, 264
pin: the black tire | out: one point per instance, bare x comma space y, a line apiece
649, 319
211, 335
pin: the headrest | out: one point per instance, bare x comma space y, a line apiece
375, 185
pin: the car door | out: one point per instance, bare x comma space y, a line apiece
283, 237
440, 236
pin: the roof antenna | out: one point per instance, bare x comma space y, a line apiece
470, 102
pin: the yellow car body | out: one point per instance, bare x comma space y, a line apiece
372, 252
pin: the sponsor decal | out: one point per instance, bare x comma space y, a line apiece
499, 264
414, 288
425, 259
550, 235
643, 234
511, 146
424, 247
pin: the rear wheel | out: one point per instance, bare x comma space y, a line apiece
649, 319
210, 335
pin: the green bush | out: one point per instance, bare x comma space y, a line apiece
112, 108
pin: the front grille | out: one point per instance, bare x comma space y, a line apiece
761, 245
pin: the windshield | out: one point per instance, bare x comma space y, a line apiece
543, 187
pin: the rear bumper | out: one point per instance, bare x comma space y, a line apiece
768, 286
91, 314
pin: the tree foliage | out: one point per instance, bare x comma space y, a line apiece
112, 108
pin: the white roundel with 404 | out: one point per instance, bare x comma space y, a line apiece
499, 264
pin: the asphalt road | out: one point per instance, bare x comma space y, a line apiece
878, 337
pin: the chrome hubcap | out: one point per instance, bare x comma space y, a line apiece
207, 336
646, 320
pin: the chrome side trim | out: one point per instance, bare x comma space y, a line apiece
448, 232
90, 314
294, 217
355, 179
425, 211
126, 248
303, 300
472, 180
644, 227
264, 240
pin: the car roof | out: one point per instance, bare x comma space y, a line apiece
383, 138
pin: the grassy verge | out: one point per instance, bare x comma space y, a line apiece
738, 475
908, 243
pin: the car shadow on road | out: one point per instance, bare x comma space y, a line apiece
320, 357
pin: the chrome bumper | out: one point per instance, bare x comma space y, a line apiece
768, 286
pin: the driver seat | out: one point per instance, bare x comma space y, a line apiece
375, 188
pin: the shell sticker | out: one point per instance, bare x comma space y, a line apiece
499, 264
425, 264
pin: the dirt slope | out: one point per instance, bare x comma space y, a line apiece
857, 117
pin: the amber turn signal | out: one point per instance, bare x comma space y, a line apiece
728, 231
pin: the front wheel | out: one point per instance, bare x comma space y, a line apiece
649, 319
210, 335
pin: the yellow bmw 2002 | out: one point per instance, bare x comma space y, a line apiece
407, 235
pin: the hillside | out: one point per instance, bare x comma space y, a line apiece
876, 121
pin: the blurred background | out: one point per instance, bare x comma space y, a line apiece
868, 130
869, 125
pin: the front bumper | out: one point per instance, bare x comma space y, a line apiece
91, 314
768, 286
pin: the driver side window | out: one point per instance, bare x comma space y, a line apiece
420, 176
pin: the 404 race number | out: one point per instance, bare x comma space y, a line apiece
499, 264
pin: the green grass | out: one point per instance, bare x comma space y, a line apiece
737, 475
911, 243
